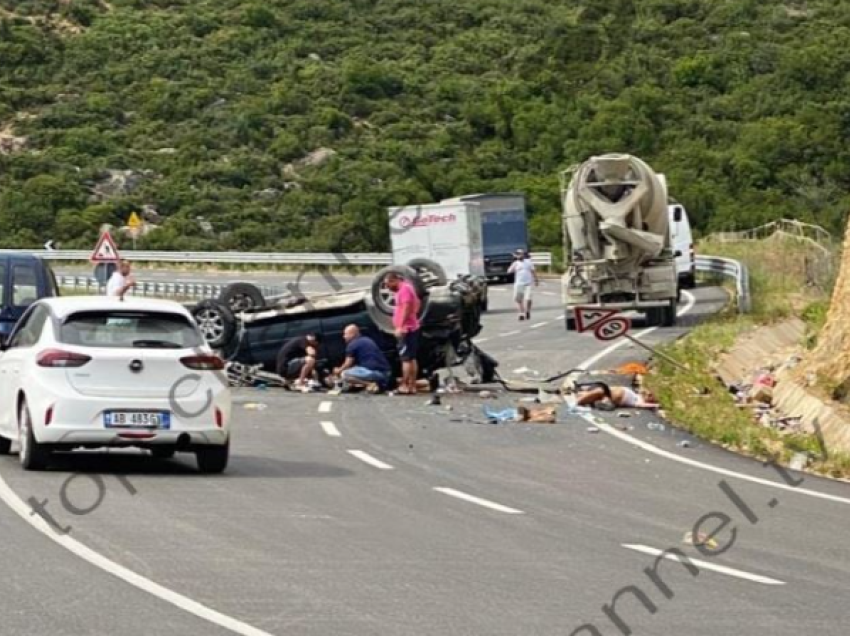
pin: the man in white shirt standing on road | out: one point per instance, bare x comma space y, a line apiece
121, 281
525, 277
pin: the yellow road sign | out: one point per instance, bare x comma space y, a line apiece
134, 221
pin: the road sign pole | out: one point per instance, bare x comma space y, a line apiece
656, 352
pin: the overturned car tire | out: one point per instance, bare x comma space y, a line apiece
430, 272
216, 322
242, 297
383, 299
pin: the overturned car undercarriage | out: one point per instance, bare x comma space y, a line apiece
249, 330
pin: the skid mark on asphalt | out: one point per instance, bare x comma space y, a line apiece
486, 503
705, 565
128, 576
330, 429
365, 457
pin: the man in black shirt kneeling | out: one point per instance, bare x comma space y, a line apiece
297, 359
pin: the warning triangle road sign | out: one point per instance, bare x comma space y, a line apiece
105, 251
588, 318
134, 222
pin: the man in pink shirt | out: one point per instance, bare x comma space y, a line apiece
406, 324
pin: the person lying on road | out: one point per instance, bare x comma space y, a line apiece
365, 365
618, 396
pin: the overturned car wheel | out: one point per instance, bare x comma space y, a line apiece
216, 322
383, 298
430, 272
242, 297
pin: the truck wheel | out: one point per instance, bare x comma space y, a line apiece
430, 272
653, 318
668, 314
5, 446
216, 321
242, 297
383, 298
570, 323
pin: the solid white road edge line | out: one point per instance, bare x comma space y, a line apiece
705, 565
451, 492
325, 407
685, 460
649, 448
128, 576
330, 429
368, 459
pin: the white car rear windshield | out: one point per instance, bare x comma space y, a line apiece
129, 329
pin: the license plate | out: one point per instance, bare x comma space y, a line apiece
137, 419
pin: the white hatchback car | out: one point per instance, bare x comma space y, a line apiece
97, 371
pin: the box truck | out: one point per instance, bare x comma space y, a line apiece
504, 229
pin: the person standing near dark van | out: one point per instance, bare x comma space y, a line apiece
407, 326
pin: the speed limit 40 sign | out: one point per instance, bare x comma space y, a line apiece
606, 324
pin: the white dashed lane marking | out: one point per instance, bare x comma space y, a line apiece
330, 429
368, 459
325, 407
492, 505
705, 565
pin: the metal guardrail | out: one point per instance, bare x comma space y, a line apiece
153, 289
732, 269
542, 259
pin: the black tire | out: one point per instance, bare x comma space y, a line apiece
212, 460
689, 281
383, 299
216, 321
653, 317
5, 446
570, 323
430, 272
242, 297
33, 455
668, 314
163, 452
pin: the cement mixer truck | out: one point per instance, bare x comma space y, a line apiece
617, 240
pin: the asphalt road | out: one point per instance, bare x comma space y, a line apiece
362, 515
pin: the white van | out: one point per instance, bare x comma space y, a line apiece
682, 242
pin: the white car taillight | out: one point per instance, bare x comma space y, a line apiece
203, 363
56, 358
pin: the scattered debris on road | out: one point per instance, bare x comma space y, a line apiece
701, 539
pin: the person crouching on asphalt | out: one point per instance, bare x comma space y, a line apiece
524, 277
365, 364
407, 326
297, 359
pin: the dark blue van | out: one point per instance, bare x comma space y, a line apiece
23, 280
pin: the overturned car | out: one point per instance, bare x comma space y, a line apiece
250, 330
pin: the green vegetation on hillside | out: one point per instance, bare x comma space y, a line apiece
215, 104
